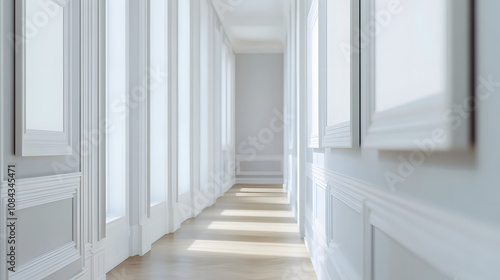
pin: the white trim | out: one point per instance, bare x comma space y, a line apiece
259, 158
38, 142
40, 191
259, 181
138, 202
3, 89
329, 261
342, 135
448, 235
314, 141
320, 227
47, 263
99, 159
301, 97
257, 47
342, 266
172, 116
92, 98
2, 85
400, 127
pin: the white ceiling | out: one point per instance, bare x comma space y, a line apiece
254, 26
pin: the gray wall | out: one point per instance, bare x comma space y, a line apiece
259, 106
413, 231
35, 175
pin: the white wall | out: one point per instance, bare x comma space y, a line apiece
259, 117
442, 222
49, 190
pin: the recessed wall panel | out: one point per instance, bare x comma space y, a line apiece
43, 228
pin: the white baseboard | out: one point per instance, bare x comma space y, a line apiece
260, 181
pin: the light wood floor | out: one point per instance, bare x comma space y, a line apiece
249, 234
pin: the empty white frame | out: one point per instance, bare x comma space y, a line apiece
43, 78
416, 69
313, 77
339, 90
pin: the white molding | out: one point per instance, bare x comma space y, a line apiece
257, 47
400, 127
259, 158
447, 235
139, 187
42, 190
38, 142
447, 238
342, 265
172, 113
117, 259
38, 191
93, 147
319, 227
314, 141
98, 263
329, 261
48, 263
3, 88
301, 98
98, 160
344, 193
259, 181
346, 134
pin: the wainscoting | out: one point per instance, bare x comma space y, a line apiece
353, 227
260, 169
49, 227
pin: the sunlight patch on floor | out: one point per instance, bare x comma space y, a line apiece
261, 190
248, 226
250, 248
258, 213
257, 200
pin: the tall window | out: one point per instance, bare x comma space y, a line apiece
224, 95
204, 93
116, 113
184, 98
158, 63
313, 75
227, 96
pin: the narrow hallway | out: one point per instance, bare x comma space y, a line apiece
250, 233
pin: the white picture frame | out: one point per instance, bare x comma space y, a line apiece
43, 78
339, 87
313, 87
427, 116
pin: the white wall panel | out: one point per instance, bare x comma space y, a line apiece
395, 215
393, 262
259, 111
54, 228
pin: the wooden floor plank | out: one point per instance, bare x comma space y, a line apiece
249, 233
